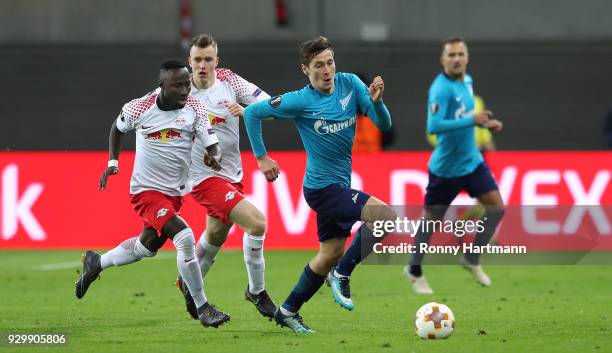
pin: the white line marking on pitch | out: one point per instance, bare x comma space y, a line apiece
58, 266
77, 264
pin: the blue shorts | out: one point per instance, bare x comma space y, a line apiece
338, 208
442, 191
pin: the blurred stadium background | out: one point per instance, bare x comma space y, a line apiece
543, 67
67, 66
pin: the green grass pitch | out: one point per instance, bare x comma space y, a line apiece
136, 308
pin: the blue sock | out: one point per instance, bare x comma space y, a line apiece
351, 257
308, 284
360, 248
491, 219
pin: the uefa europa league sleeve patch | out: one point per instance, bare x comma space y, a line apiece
434, 108
275, 101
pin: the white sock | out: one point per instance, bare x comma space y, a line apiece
130, 250
206, 254
187, 264
254, 261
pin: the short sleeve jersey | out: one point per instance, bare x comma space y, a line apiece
164, 140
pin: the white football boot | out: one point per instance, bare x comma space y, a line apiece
419, 284
476, 270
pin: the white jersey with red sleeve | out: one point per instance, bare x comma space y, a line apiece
164, 140
228, 88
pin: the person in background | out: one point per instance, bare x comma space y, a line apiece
486, 145
456, 163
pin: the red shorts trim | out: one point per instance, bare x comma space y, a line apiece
219, 196
155, 208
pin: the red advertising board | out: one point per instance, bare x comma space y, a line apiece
50, 200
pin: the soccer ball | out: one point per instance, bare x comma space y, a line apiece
433, 321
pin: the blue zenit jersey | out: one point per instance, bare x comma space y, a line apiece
451, 117
326, 124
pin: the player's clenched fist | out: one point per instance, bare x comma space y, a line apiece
235, 109
108, 172
376, 89
268, 167
482, 117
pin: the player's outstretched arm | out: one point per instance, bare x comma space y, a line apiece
286, 106
252, 122
115, 140
252, 118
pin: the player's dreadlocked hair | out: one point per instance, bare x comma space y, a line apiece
312, 48
203, 41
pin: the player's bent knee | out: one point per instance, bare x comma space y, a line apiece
149, 242
142, 251
388, 214
497, 211
378, 212
257, 227
173, 226
250, 219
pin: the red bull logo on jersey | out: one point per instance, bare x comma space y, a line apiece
164, 135
216, 120
157, 135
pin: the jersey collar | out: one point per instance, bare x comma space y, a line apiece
452, 79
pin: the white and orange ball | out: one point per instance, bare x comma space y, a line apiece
434, 321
